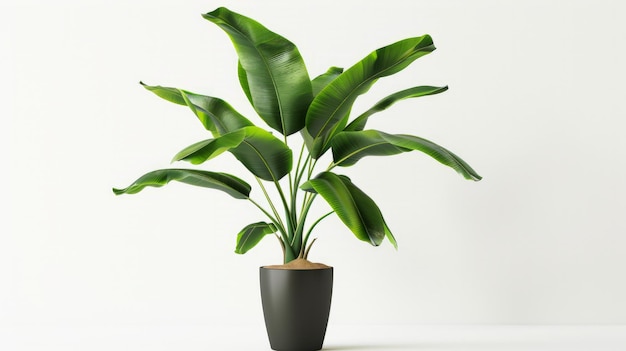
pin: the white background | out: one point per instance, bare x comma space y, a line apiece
536, 105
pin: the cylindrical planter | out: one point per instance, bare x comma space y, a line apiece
296, 305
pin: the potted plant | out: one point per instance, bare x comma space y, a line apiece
317, 113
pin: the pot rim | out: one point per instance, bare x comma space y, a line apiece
295, 269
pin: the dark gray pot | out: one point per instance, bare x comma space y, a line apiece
296, 305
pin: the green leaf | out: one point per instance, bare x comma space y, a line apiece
210, 148
215, 114
243, 81
355, 209
350, 147
321, 81
232, 185
167, 93
332, 105
318, 146
359, 122
390, 236
275, 79
266, 156
251, 235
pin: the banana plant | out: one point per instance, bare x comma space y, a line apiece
275, 80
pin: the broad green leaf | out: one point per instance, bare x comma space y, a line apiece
350, 147
318, 146
263, 154
215, 114
243, 81
232, 185
166, 93
321, 81
355, 209
359, 122
251, 235
331, 106
275, 79
258, 150
210, 148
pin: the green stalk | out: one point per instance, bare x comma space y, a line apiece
277, 223
298, 176
269, 201
302, 170
311, 168
288, 214
306, 237
290, 178
305, 210
298, 180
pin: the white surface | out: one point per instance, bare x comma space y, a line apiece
536, 105
375, 338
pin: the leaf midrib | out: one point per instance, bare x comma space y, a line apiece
265, 163
360, 150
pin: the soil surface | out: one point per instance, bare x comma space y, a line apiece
300, 264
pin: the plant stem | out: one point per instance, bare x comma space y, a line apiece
299, 174
308, 249
311, 168
288, 211
306, 206
274, 220
269, 201
288, 214
306, 237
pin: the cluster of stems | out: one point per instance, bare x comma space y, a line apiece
294, 243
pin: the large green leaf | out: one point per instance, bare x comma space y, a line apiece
275, 78
266, 156
251, 235
230, 184
215, 114
166, 93
355, 209
350, 147
332, 105
318, 146
207, 149
321, 81
243, 81
360, 122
